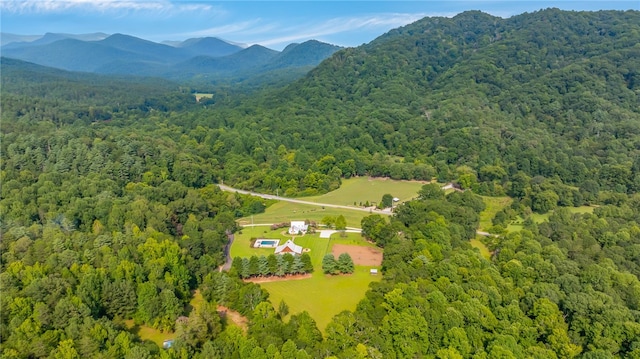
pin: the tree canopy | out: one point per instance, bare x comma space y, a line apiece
110, 213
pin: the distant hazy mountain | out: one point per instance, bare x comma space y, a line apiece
7, 38
209, 46
308, 53
13, 41
208, 57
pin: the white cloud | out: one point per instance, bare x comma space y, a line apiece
58, 6
342, 25
242, 27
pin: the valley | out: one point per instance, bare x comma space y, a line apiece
486, 169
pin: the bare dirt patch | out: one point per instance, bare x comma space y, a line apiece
235, 317
364, 256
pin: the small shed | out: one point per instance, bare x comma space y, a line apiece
373, 271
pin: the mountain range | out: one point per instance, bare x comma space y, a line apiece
207, 58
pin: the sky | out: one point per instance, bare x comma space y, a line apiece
273, 24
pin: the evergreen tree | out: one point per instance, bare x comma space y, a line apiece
306, 261
329, 265
345, 263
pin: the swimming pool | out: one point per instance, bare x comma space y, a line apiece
266, 243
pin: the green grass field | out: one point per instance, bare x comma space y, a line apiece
286, 211
322, 296
477, 243
360, 189
241, 248
318, 246
148, 333
363, 189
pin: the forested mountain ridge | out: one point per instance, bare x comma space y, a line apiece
110, 217
474, 91
210, 58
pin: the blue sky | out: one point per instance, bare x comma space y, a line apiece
273, 24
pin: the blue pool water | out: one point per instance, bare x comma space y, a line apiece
266, 243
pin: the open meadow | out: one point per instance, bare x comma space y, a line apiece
362, 189
322, 296
493, 206
354, 190
287, 211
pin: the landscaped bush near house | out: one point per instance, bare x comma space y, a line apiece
280, 225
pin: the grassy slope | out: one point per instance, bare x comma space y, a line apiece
493, 206
363, 189
322, 296
477, 243
287, 211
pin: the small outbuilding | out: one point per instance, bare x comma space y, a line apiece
373, 271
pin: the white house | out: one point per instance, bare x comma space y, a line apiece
289, 247
298, 227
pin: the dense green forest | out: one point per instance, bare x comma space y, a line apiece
109, 210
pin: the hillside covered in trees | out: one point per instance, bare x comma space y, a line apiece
109, 210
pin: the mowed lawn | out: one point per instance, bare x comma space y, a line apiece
241, 244
321, 295
354, 190
363, 189
286, 212
318, 246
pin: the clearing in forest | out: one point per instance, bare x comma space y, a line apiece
321, 295
493, 206
287, 211
200, 96
149, 333
354, 190
157, 336
362, 189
